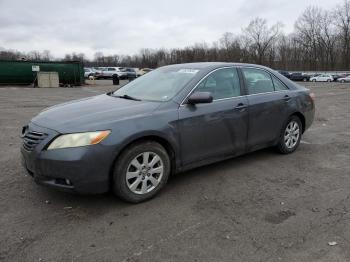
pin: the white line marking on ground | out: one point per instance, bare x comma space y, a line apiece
305, 142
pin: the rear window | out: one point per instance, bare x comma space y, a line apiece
279, 86
257, 81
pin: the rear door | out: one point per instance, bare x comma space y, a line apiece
216, 129
267, 98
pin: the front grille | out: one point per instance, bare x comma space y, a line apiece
31, 139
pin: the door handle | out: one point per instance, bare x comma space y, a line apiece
287, 98
241, 106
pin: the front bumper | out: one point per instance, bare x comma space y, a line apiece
86, 168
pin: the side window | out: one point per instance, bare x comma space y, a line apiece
279, 86
223, 83
111, 69
258, 81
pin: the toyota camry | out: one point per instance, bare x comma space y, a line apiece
172, 119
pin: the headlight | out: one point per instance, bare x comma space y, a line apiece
78, 139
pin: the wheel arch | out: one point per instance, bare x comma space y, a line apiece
302, 119
155, 137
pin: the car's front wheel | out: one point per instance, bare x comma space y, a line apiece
291, 136
141, 171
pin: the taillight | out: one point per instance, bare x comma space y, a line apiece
312, 96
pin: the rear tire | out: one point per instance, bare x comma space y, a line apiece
141, 171
290, 136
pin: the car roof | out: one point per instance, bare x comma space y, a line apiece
213, 65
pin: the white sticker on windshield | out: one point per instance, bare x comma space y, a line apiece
188, 71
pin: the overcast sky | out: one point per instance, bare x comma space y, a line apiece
124, 27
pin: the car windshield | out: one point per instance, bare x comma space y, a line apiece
159, 85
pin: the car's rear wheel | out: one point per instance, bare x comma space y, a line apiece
141, 171
343, 81
291, 136
313, 80
328, 80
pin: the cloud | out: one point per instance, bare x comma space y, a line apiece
125, 27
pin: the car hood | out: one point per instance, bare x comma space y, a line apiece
93, 113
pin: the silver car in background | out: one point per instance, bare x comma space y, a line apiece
109, 72
345, 79
322, 78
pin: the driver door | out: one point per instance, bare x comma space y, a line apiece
217, 129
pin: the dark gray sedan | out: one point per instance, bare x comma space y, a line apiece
172, 119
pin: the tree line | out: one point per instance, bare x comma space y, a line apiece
320, 41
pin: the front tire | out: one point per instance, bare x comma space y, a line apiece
141, 171
290, 136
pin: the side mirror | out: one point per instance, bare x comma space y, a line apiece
200, 98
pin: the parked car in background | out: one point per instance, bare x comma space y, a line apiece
314, 75
88, 72
299, 77
322, 78
173, 119
345, 79
336, 77
109, 72
145, 70
130, 73
284, 73
99, 68
138, 71
98, 72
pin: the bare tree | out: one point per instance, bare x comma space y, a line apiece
34, 55
342, 21
231, 47
46, 55
308, 31
260, 38
327, 41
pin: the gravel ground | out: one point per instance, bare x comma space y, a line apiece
259, 207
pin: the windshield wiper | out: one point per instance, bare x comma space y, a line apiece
128, 97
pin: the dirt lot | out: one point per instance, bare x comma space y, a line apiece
259, 207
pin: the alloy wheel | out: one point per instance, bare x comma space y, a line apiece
291, 134
144, 173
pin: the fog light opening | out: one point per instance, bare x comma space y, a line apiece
63, 181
